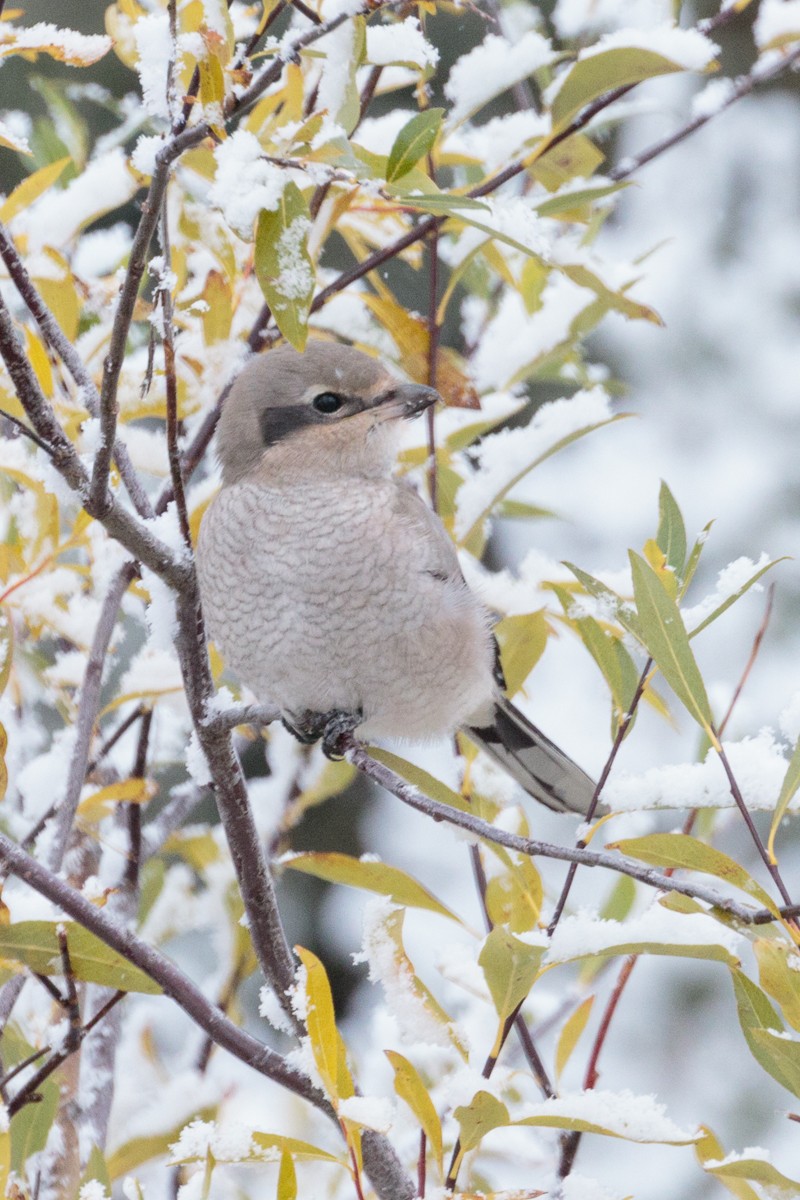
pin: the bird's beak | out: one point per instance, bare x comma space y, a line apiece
407, 400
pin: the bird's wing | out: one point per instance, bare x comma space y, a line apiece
437, 552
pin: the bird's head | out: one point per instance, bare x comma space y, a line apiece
328, 411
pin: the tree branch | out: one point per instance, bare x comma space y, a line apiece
743, 86
356, 754
88, 707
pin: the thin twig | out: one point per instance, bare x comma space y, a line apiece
754, 651
168, 336
742, 87
28, 432
28, 1093
622, 729
357, 754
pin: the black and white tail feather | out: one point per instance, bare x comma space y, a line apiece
539, 767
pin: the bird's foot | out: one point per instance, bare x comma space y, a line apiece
308, 727
338, 726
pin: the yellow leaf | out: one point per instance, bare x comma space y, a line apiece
573, 1028
409, 1087
217, 319
129, 791
61, 296
32, 187
326, 1043
37, 356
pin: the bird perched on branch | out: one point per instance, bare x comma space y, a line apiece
330, 587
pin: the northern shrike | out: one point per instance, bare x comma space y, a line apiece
331, 588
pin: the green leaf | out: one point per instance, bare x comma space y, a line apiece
35, 943
605, 72
681, 852
610, 654
376, 877
97, 1169
299, 1150
522, 639
483, 1114
568, 202
409, 1087
413, 141
510, 967
6, 648
791, 782
671, 535
621, 610
514, 897
729, 600
694, 555
668, 643
30, 1128
578, 1124
442, 204
760, 1023
283, 265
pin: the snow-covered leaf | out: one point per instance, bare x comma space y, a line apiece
283, 264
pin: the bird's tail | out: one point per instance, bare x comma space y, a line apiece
536, 763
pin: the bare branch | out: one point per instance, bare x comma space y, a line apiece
88, 707
742, 87
357, 754
384, 1169
173, 982
173, 452
122, 323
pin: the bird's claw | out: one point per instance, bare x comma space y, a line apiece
308, 727
337, 727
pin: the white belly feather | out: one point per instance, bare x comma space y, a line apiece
321, 599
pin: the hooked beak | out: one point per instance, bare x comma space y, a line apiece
408, 400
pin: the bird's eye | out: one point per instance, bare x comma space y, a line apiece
327, 403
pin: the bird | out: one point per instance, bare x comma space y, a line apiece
330, 587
